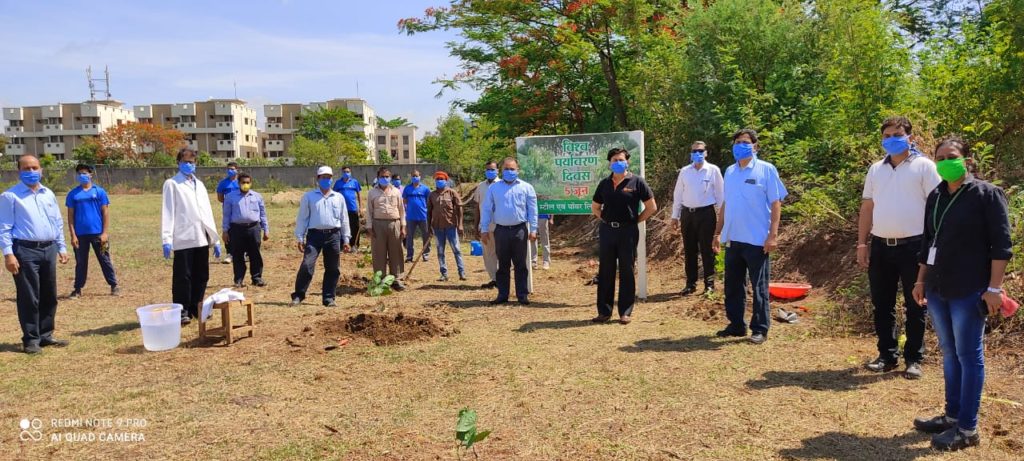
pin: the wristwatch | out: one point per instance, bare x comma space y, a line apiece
995, 290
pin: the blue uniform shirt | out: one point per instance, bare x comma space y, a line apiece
227, 185
416, 196
509, 205
349, 189
245, 208
88, 206
28, 215
319, 211
749, 194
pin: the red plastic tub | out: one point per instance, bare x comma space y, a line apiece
788, 290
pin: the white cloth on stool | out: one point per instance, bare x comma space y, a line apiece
221, 296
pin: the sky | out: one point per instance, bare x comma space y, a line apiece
276, 51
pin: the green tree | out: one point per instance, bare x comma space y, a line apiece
337, 149
319, 124
463, 147
3, 144
393, 123
384, 158
88, 151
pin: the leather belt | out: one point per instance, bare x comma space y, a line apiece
890, 242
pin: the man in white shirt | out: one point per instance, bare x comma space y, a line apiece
490, 255
187, 228
321, 226
698, 194
888, 241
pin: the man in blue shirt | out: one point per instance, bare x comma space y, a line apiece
749, 226
512, 205
352, 191
415, 197
322, 225
89, 217
225, 186
244, 217
32, 240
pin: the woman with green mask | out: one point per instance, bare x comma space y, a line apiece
962, 261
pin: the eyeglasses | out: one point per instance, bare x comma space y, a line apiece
700, 151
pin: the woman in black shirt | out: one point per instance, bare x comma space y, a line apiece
963, 258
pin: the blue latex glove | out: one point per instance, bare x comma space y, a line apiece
167, 251
216, 251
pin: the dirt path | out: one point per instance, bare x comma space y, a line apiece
548, 383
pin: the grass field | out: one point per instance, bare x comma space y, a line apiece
548, 383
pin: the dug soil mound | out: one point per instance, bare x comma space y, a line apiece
288, 197
380, 329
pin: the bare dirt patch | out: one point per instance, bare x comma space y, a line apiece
381, 329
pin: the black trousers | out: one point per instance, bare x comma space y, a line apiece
888, 267
189, 279
617, 250
36, 283
246, 238
82, 261
353, 229
698, 228
510, 244
328, 242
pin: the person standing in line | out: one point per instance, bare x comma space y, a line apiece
490, 256
32, 241
385, 225
699, 191
444, 212
544, 222
396, 181
962, 261
890, 226
321, 226
89, 217
617, 204
244, 220
224, 187
350, 188
187, 228
511, 205
749, 227
414, 196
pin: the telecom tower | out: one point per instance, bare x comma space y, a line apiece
92, 82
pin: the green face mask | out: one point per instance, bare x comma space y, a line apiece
951, 169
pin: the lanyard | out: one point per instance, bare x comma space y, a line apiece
936, 220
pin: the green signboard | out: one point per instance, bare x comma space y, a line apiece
566, 169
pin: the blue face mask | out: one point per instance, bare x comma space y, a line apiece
346, 176
232, 172
620, 166
324, 183
491, 175
30, 178
742, 151
896, 145
396, 182
187, 168
696, 157
509, 175
415, 179
84, 178
383, 181
441, 184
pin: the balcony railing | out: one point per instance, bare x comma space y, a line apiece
14, 129
185, 125
53, 148
225, 144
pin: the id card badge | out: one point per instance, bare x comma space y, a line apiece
931, 256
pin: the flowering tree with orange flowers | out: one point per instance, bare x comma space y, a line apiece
138, 142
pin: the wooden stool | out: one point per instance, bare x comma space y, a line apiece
226, 330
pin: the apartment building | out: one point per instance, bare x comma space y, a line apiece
283, 120
399, 142
225, 128
59, 128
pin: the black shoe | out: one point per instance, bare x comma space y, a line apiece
913, 371
689, 290
32, 349
443, 278
881, 365
490, 284
397, 286
729, 331
426, 257
259, 283
51, 342
524, 302
496, 302
462, 277
408, 260
758, 338
296, 300
239, 285
708, 289
954, 439
115, 290
75, 294
330, 303
185, 320
936, 425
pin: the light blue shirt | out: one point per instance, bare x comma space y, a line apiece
244, 209
509, 205
749, 195
319, 211
28, 215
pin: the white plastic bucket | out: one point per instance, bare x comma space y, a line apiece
161, 326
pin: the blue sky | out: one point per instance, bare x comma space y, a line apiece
279, 51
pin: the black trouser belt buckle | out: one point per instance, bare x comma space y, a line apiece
32, 243
614, 224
